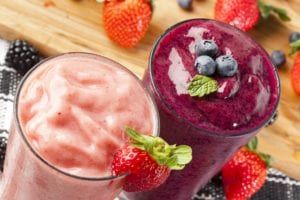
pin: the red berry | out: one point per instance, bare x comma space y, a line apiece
127, 21
295, 75
144, 172
243, 14
243, 175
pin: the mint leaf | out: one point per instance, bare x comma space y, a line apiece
266, 10
202, 85
295, 47
252, 145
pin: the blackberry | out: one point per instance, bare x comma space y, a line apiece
21, 56
3, 142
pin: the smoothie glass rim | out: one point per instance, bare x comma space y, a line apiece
43, 160
222, 134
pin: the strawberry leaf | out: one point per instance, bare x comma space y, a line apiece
252, 145
202, 85
173, 156
295, 47
266, 10
267, 158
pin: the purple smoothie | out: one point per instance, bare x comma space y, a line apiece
218, 124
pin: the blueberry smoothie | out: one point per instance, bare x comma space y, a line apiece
217, 124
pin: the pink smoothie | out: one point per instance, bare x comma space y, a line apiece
73, 110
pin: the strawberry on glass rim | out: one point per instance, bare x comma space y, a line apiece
148, 161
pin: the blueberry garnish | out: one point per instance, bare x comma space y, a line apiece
185, 4
226, 65
207, 47
278, 58
294, 36
205, 65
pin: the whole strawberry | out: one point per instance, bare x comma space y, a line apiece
245, 173
148, 161
295, 74
245, 14
126, 21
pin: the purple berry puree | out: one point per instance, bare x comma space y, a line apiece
217, 125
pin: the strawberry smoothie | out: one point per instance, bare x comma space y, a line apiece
71, 113
216, 125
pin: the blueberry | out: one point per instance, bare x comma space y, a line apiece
278, 58
294, 36
185, 4
226, 65
205, 65
207, 47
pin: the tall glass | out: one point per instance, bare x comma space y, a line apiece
28, 176
210, 150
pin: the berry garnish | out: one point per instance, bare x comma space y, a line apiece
126, 21
294, 36
207, 47
245, 173
148, 161
3, 143
295, 74
201, 86
278, 58
245, 14
185, 4
21, 56
226, 65
205, 65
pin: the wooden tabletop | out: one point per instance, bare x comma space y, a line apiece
69, 25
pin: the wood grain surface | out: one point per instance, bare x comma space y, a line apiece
71, 25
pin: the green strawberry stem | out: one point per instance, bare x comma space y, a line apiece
295, 47
252, 146
173, 156
266, 10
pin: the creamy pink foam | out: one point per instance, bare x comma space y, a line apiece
73, 110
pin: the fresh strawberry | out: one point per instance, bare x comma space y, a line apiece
295, 75
127, 21
148, 161
244, 14
245, 173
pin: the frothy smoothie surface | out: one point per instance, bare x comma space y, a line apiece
74, 109
242, 102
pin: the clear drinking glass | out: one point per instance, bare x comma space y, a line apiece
210, 150
28, 176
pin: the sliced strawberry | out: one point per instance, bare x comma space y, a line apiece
148, 161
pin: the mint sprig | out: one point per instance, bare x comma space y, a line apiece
266, 10
202, 85
173, 156
252, 146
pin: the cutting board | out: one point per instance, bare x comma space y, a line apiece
59, 26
